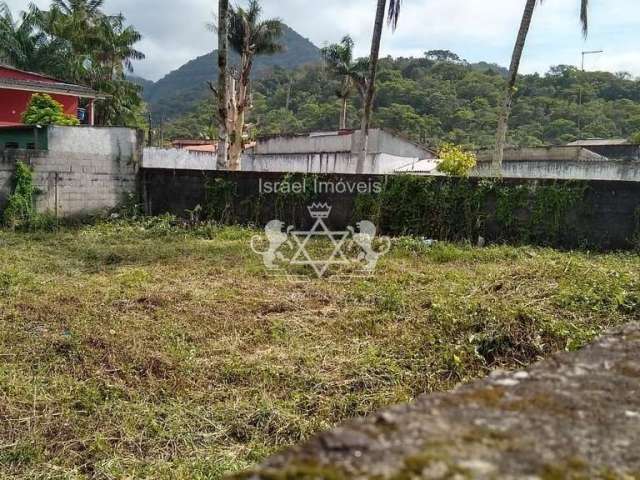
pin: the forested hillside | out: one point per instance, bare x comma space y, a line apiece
179, 91
432, 99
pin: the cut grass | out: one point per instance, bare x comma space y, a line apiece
141, 350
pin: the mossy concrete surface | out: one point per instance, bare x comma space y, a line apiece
573, 416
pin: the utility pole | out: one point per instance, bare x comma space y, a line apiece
580, 109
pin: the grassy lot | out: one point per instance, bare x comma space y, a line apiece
145, 351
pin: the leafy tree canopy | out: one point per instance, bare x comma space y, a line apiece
75, 41
44, 110
456, 102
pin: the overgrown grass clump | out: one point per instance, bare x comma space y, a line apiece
148, 350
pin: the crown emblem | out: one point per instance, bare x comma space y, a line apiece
319, 210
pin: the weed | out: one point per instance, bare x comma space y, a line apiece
155, 349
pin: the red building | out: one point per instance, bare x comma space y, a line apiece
17, 87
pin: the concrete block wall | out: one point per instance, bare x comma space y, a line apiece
86, 170
380, 142
628, 171
337, 162
565, 162
177, 159
604, 217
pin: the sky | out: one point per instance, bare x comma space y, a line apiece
175, 31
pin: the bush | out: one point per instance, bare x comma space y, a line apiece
19, 210
635, 138
455, 161
44, 110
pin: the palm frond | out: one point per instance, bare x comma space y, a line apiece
394, 13
584, 16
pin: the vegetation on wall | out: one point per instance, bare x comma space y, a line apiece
44, 110
466, 209
20, 212
20, 209
442, 208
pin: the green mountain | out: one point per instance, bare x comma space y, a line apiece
142, 82
434, 101
181, 90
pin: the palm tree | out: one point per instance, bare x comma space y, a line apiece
76, 22
24, 46
393, 16
339, 58
223, 89
249, 35
115, 52
503, 120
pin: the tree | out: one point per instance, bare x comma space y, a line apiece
393, 16
223, 88
442, 56
339, 58
249, 35
24, 46
44, 110
455, 161
97, 50
115, 52
441, 102
503, 120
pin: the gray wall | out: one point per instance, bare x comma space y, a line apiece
324, 152
332, 142
605, 216
566, 162
565, 169
337, 162
287, 144
86, 169
177, 159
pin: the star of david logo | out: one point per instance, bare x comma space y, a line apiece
320, 230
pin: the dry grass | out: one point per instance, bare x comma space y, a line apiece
144, 351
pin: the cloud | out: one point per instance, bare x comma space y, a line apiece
174, 32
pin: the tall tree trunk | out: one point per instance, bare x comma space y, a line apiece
343, 113
371, 85
223, 89
241, 106
235, 151
503, 120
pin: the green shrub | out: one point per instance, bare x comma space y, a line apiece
20, 210
44, 110
455, 161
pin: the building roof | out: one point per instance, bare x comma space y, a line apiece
4, 66
56, 88
202, 148
184, 141
599, 142
427, 166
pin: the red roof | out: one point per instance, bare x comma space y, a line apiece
202, 148
8, 71
15, 79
